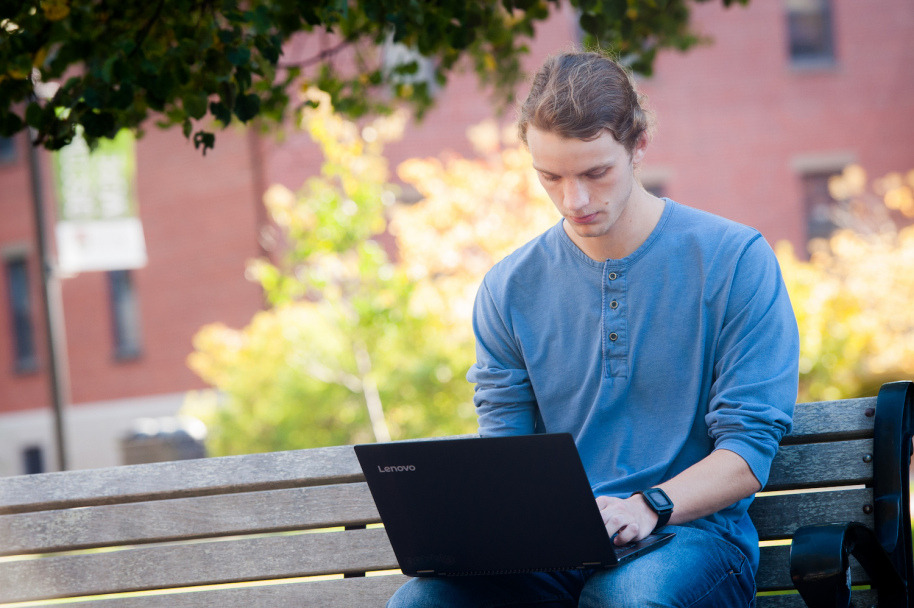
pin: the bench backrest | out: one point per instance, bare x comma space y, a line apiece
300, 528
820, 474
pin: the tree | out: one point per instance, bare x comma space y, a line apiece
357, 344
191, 61
345, 335
853, 296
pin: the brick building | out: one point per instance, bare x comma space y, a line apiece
749, 127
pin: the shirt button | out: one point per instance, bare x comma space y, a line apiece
614, 336
614, 304
613, 276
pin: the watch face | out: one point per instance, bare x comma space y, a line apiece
659, 499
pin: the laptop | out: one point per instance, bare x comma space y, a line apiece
491, 505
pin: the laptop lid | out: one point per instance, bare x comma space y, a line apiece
488, 505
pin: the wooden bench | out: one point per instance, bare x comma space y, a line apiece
299, 528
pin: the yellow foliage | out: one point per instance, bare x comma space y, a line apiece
351, 155
474, 212
853, 301
55, 10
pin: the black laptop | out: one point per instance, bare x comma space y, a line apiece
493, 505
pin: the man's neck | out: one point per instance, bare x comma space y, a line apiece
630, 231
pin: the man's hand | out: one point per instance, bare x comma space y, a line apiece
630, 519
711, 484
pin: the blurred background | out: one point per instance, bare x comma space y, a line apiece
310, 283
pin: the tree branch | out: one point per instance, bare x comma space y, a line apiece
372, 394
322, 56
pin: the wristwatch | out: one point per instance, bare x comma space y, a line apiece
659, 503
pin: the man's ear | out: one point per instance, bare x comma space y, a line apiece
640, 149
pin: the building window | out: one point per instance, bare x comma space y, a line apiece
20, 305
7, 150
125, 315
33, 460
820, 206
809, 30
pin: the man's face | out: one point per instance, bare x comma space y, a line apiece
589, 182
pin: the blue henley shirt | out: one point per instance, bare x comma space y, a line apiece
651, 362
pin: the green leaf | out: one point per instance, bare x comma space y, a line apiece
10, 123
34, 115
108, 69
221, 112
247, 107
195, 104
239, 55
122, 96
205, 139
98, 124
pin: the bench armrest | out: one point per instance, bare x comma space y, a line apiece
820, 565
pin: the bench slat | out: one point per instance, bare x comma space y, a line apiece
821, 465
370, 592
779, 516
186, 518
202, 563
179, 479
774, 570
832, 421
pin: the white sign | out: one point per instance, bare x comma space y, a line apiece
98, 227
100, 245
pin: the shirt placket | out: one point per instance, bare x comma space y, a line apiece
615, 323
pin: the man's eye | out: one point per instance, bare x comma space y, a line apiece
598, 174
551, 178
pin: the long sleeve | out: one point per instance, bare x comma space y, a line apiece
756, 364
504, 397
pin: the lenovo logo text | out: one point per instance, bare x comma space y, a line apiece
396, 469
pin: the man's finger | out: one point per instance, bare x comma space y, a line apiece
627, 534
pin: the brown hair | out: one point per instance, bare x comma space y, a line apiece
579, 94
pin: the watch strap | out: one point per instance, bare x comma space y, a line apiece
659, 503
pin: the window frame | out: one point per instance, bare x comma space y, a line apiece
22, 317
820, 50
125, 315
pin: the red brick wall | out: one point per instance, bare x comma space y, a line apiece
732, 116
17, 233
200, 220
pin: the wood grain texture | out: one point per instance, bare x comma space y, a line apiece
821, 465
164, 566
186, 518
832, 421
371, 592
179, 479
778, 517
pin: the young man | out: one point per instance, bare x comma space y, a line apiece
661, 337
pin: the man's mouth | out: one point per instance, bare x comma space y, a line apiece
582, 219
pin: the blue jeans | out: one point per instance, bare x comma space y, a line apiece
696, 569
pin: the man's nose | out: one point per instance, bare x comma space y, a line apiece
574, 195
